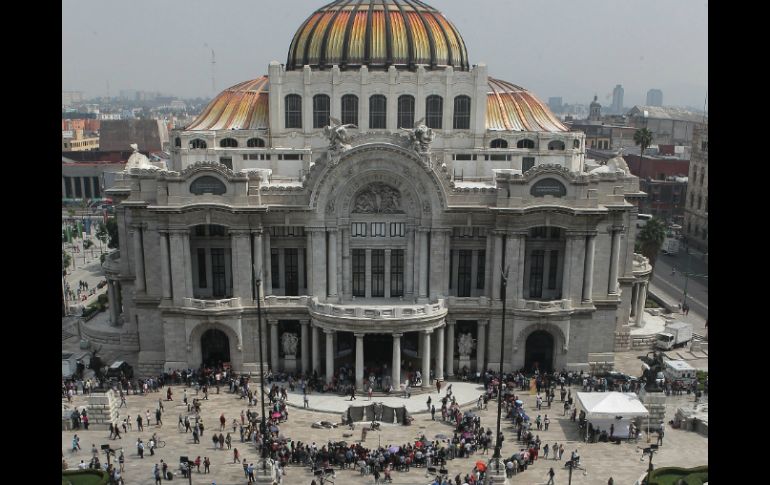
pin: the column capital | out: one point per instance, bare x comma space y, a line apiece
328, 331
239, 232
271, 321
304, 322
332, 229
517, 232
450, 322
359, 335
257, 230
315, 230
428, 331
482, 323
616, 228
575, 234
178, 232
398, 335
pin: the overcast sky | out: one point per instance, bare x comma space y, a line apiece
572, 49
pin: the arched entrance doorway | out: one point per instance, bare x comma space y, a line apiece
539, 352
215, 347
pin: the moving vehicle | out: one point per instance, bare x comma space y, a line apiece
675, 334
670, 245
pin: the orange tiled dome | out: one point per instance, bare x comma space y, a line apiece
240, 107
378, 34
513, 108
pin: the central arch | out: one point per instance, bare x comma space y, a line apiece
215, 347
539, 350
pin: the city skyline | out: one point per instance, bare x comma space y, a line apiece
619, 44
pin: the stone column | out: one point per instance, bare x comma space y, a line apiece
426, 358
488, 256
634, 297
516, 274
440, 354
274, 344
332, 268
566, 278
304, 347
496, 265
165, 268
178, 270
360, 362
612, 284
438, 264
188, 278
319, 264
241, 264
267, 277
311, 270
450, 348
423, 236
588, 271
409, 264
346, 272
396, 364
316, 351
139, 283
259, 262
481, 345
329, 355
641, 300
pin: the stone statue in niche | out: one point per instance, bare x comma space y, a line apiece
289, 343
378, 198
465, 344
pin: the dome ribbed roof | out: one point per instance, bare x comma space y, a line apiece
513, 108
240, 107
378, 34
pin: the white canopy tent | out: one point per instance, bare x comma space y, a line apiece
607, 408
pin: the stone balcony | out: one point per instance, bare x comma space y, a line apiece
201, 304
111, 265
369, 315
641, 265
553, 305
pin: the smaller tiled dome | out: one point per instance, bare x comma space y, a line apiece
240, 107
513, 108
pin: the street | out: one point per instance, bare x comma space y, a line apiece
673, 284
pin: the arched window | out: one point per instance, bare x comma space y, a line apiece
556, 145
406, 111
294, 111
320, 110
350, 109
576, 144
255, 143
434, 111
525, 144
462, 113
498, 143
198, 144
378, 106
178, 142
228, 143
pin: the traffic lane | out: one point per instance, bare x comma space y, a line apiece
697, 297
684, 264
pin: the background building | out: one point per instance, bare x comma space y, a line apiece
617, 100
377, 244
655, 97
118, 135
696, 222
669, 126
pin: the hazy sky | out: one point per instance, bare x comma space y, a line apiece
572, 49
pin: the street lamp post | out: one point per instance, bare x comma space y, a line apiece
649, 451
261, 377
497, 457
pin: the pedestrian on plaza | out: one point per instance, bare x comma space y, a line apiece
129, 422
139, 426
85, 420
236, 456
94, 451
215, 439
228, 441
433, 413
369, 391
206, 464
221, 440
117, 433
306, 401
122, 461
551, 474
147, 415
222, 422
546, 449
187, 427
612, 430
561, 451
352, 393
140, 448
156, 474
158, 421
546, 422
610, 481
196, 438
555, 450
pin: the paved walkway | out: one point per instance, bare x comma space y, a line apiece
465, 393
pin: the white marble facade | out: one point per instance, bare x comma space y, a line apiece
378, 240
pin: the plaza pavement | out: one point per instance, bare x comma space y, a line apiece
623, 462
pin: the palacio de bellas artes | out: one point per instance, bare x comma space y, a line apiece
381, 200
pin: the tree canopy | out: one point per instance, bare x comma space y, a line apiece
651, 239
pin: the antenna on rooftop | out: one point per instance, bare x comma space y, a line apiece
213, 63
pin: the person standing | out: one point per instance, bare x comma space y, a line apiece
206, 464
156, 474
551, 474
140, 448
222, 422
228, 441
433, 413
221, 440
352, 393
546, 422
139, 422
428, 403
158, 421
306, 401
370, 390
122, 461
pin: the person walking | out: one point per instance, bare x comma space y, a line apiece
156, 474
139, 426
122, 461
369, 392
221, 440
610, 481
546, 422
433, 413
551, 474
236, 456
222, 422
429, 401
228, 441
352, 393
215, 439
158, 421
140, 448
206, 464
546, 449
306, 401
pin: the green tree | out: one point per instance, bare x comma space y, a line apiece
112, 231
651, 239
643, 138
66, 260
102, 235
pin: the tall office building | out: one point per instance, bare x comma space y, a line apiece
617, 100
654, 97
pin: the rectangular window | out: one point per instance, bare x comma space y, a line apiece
293, 111
397, 229
359, 272
434, 111
536, 274
78, 187
464, 272
358, 229
463, 156
378, 272
292, 273
553, 268
275, 269
97, 189
406, 111
397, 272
320, 110
377, 111
462, 115
481, 270
350, 109
201, 268
218, 272
527, 163
378, 229
227, 162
